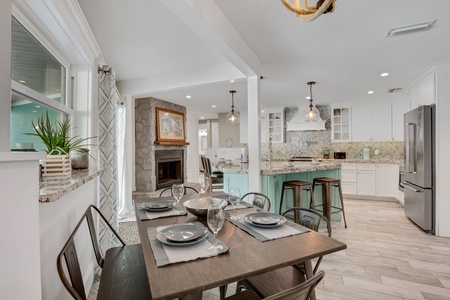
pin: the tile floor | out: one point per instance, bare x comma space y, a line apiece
388, 257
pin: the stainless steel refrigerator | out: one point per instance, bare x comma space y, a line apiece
419, 167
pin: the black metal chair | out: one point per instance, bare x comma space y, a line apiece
167, 192
215, 178
273, 282
257, 199
124, 275
301, 291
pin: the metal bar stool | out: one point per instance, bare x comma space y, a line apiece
327, 184
297, 187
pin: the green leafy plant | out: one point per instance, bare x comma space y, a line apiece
56, 136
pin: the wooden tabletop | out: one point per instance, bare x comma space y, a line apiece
246, 257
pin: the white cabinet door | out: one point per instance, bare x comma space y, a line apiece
361, 122
275, 124
381, 122
366, 183
387, 180
399, 108
243, 127
340, 124
424, 91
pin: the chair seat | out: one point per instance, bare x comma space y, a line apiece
326, 179
280, 280
124, 275
245, 295
297, 183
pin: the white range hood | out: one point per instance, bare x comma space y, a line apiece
298, 123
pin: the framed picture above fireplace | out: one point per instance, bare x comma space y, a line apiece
170, 127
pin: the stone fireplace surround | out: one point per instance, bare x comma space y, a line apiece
145, 137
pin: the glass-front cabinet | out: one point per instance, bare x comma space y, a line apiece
272, 126
341, 124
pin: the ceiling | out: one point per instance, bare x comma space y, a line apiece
190, 47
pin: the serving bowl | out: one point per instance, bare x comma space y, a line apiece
199, 206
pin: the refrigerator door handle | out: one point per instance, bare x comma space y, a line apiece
411, 148
414, 189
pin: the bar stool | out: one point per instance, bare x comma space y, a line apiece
297, 186
327, 184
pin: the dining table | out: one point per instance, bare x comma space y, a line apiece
246, 256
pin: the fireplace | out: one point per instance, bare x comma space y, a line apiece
169, 168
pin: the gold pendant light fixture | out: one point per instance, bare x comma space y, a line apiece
232, 116
310, 13
311, 113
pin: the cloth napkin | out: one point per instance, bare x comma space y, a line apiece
150, 215
166, 255
264, 234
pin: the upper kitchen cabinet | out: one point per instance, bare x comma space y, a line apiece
272, 125
423, 91
371, 122
399, 108
340, 124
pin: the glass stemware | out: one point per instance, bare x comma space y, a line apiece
177, 193
215, 218
234, 198
204, 183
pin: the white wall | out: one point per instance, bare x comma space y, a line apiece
442, 151
56, 222
5, 73
20, 276
192, 157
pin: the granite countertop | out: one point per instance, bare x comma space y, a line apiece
373, 161
51, 189
279, 167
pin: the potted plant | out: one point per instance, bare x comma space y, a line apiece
58, 143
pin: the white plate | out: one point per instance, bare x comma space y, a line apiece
266, 220
158, 205
182, 233
162, 238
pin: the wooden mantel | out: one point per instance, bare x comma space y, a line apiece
172, 143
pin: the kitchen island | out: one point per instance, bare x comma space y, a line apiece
274, 174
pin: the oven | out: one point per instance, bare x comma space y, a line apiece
401, 179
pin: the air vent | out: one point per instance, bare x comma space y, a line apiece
409, 29
394, 90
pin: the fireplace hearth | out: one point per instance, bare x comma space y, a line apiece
169, 168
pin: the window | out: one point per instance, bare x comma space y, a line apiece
39, 84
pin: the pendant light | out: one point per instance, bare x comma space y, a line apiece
232, 116
311, 113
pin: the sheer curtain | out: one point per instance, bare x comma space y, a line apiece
125, 206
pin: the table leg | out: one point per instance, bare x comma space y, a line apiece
193, 296
309, 274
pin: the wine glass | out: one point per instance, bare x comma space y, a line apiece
215, 218
177, 193
204, 183
234, 198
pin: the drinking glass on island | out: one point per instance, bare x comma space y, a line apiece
204, 183
215, 219
177, 193
234, 198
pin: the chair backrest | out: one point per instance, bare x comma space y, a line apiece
206, 165
299, 292
310, 218
74, 284
167, 192
258, 199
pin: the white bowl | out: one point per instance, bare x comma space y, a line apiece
199, 206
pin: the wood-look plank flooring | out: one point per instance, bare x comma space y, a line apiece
388, 257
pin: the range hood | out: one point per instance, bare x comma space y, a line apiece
298, 124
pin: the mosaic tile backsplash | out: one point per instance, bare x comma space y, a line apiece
311, 143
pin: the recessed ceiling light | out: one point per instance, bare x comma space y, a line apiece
22, 81
384, 74
188, 96
370, 92
213, 106
202, 117
308, 97
231, 80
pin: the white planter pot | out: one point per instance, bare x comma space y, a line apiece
56, 166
